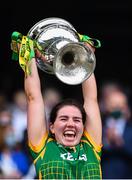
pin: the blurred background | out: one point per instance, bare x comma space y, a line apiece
108, 21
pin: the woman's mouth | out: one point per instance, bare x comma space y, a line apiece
69, 135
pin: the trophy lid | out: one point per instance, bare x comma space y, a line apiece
39, 26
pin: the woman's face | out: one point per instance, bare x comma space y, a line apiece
68, 126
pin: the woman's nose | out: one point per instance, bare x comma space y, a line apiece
70, 122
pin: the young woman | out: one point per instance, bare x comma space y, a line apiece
72, 149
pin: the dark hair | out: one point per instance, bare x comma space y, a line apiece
67, 102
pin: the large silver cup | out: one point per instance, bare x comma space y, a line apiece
69, 59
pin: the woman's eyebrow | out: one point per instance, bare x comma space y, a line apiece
77, 117
66, 116
63, 116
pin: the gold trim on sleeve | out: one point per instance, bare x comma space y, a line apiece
37, 148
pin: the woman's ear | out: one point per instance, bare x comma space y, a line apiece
51, 126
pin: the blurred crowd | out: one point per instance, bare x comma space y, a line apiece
15, 161
114, 101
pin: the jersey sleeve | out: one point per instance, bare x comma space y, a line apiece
97, 148
35, 151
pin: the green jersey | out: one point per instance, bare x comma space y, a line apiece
54, 161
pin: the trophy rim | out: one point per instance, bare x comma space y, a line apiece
47, 22
86, 75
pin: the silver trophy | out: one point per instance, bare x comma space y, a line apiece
66, 57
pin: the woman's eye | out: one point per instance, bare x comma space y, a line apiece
63, 119
77, 120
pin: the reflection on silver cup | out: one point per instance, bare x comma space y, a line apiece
66, 57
